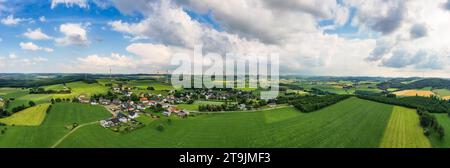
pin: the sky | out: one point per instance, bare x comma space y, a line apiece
312, 37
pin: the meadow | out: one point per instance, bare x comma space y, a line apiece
32, 116
350, 123
53, 127
404, 130
444, 93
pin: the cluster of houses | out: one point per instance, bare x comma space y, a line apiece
173, 110
126, 111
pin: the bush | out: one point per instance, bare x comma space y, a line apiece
160, 127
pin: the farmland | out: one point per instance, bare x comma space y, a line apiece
32, 116
53, 127
425, 93
351, 123
404, 131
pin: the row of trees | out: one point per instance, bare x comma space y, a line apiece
430, 124
222, 107
313, 103
43, 91
432, 104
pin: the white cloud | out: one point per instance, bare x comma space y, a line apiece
12, 56
74, 34
33, 47
42, 19
102, 62
70, 3
36, 34
10, 20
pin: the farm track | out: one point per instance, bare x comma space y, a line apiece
72, 131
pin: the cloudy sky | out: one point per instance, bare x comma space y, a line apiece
312, 37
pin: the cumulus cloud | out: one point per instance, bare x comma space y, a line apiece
103, 62
74, 34
36, 34
151, 53
418, 31
70, 3
446, 5
10, 20
420, 60
379, 15
33, 47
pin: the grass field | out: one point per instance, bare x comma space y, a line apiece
194, 106
32, 116
444, 93
404, 130
350, 123
425, 93
444, 121
53, 127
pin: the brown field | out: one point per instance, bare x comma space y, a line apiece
425, 93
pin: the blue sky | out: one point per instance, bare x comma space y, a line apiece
322, 37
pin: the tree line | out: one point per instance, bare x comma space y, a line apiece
314, 103
50, 91
430, 124
432, 104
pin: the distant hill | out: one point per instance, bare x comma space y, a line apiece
436, 83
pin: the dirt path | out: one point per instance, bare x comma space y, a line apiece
69, 133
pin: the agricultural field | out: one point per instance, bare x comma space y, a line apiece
350, 123
53, 128
444, 121
32, 116
444, 93
194, 106
424, 93
404, 130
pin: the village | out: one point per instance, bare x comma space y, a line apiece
126, 106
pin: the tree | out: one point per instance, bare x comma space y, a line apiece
31, 103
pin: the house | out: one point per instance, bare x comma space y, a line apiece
183, 113
83, 99
94, 103
110, 122
133, 115
116, 102
104, 101
242, 106
143, 100
167, 113
152, 103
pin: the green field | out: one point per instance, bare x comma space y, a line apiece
444, 121
194, 106
442, 92
32, 116
53, 127
404, 130
351, 123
